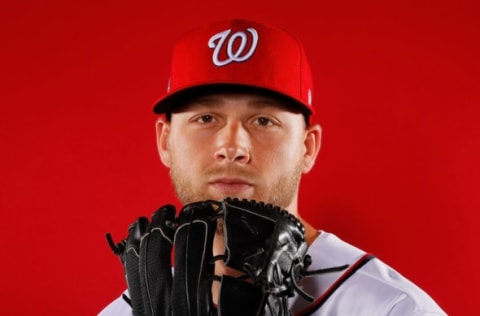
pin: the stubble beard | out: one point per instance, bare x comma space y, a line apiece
280, 194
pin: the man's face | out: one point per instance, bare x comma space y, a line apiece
237, 145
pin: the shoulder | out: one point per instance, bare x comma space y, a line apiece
118, 307
374, 289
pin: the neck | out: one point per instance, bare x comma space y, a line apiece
311, 233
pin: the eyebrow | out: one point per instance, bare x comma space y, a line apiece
261, 102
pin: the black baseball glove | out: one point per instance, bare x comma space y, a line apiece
265, 243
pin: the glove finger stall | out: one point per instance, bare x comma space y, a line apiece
155, 262
132, 254
192, 291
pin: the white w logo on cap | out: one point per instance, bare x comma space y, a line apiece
240, 54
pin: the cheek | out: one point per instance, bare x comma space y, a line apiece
187, 150
287, 148
280, 153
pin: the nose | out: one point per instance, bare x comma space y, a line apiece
232, 144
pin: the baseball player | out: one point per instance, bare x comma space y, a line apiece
236, 129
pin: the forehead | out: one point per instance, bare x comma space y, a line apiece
252, 100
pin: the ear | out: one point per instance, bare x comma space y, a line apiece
313, 138
162, 127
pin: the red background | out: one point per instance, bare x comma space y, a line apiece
396, 91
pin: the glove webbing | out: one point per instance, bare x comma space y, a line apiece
268, 243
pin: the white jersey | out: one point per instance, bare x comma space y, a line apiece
367, 287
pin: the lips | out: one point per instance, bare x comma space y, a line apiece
230, 185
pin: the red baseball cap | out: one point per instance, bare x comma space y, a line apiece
239, 53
